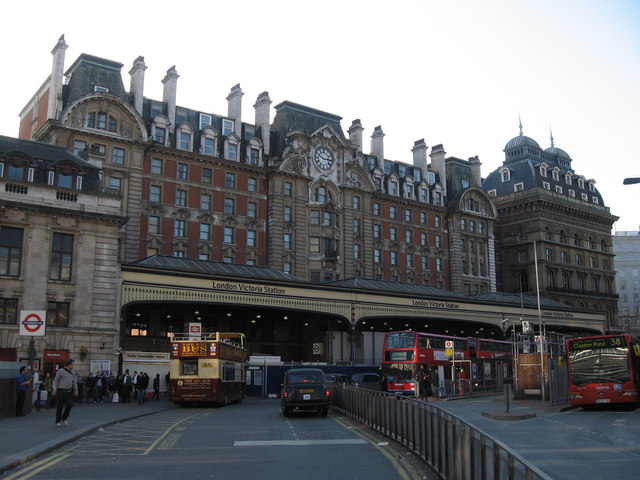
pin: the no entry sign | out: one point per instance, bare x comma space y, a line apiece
32, 322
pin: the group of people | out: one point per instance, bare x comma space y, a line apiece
67, 386
137, 385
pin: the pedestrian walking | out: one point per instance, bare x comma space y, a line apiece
127, 385
37, 386
48, 386
156, 387
22, 382
141, 387
65, 388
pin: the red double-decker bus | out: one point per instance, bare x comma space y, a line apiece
208, 368
408, 357
489, 348
603, 369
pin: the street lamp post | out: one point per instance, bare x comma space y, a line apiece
540, 332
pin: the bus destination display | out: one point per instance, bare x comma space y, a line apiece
596, 343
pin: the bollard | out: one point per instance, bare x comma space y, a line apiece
507, 394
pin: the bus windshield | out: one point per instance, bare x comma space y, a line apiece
400, 340
399, 371
599, 365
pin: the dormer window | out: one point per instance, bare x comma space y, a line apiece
184, 137
227, 126
555, 174
592, 187
393, 187
568, 178
184, 142
505, 175
231, 151
64, 180
208, 141
465, 183
581, 183
100, 89
205, 120
543, 169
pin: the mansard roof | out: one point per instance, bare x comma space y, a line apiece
523, 161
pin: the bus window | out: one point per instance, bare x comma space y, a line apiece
228, 372
190, 367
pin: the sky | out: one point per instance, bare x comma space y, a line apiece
460, 73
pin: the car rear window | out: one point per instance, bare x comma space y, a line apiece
305, 377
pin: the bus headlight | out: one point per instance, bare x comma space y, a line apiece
576, 395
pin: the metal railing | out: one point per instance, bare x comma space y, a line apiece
448, 444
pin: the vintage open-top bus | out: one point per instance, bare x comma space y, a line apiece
208, 368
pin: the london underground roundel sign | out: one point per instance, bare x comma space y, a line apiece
32, 322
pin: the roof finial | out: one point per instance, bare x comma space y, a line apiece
520, 124
551, 133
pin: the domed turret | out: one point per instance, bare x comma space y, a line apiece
521, 141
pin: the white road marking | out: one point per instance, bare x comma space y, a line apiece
297, 443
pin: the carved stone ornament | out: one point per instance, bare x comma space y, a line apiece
295, 163
78, 117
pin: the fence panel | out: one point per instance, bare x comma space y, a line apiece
452, 447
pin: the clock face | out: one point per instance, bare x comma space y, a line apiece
323, 158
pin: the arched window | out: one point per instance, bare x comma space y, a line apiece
591, 243
547, 233
524, 282
566, 281
576, 240
551, 279
563, 237
321, 195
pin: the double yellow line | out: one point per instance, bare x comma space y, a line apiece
39, 466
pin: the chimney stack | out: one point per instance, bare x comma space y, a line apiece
377, 144
476, 176
170, 82
420, 155
137, 83
262, 108
54, 107
355, 134
234, 111
438, 165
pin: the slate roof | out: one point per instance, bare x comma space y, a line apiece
45, 152
523, 158
204, 267
516, 299
395, 287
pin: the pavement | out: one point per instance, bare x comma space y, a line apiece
518, 409
28, 437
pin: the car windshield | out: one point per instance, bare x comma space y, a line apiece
305, 377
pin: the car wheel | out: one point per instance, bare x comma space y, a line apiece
324, 411
286, 411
